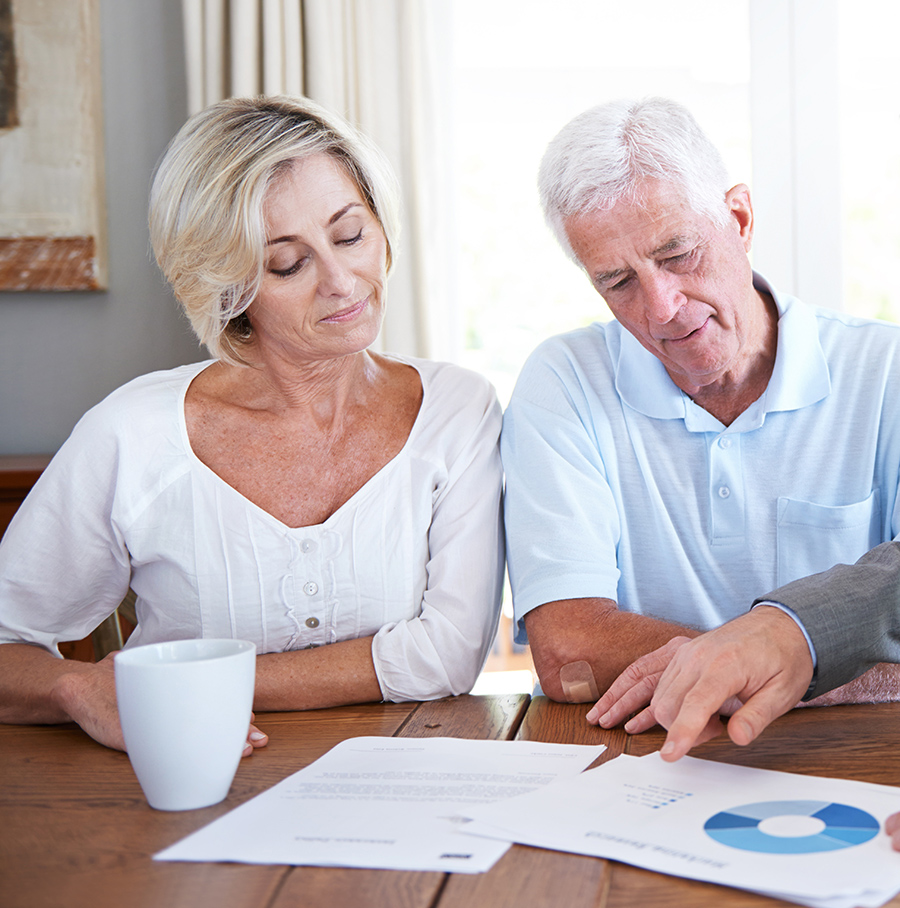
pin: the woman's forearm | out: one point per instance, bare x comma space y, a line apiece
332, 675
29, 679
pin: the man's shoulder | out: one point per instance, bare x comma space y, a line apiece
569, 363
845, 321
581, 348
852, 336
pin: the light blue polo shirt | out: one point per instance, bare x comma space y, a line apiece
619, 486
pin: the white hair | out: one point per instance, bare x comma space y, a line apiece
606, 154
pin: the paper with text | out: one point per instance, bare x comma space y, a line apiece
811, 840
394, 803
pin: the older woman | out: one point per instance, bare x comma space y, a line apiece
338, 507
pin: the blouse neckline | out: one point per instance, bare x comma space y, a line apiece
353, 500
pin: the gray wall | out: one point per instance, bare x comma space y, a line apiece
60, 353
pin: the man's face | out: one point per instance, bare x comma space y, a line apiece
680, 284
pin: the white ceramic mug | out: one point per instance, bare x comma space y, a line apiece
185, 710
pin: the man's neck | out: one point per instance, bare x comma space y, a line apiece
728, 397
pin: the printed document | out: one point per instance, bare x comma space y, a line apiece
814, 841
393, 803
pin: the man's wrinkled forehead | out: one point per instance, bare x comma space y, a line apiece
657, 225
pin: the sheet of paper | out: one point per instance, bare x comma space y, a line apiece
810, 840
393, 803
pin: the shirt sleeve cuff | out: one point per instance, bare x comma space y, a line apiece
812, 649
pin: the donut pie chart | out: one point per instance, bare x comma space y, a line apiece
792, 827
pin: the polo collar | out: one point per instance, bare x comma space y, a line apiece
799, 379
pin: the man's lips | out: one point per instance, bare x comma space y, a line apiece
685, 335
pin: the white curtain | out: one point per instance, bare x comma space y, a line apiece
382, 64
242, 47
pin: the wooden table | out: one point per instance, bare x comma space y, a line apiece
75, 829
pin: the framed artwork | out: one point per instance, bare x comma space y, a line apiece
52, 203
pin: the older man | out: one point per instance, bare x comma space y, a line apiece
716, 440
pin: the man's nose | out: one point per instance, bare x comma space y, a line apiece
662, 298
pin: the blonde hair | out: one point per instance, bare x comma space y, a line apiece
206, 203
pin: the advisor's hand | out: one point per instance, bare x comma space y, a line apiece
761, 658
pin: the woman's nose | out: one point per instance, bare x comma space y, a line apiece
335, 277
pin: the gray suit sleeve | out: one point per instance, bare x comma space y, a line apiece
852, 615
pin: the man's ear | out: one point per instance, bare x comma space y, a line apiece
741, 208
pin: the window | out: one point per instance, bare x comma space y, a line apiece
870, 157
801, 98
522, 70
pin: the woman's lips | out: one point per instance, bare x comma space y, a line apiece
348, 314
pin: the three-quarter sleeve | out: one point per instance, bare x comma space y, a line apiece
63, 562
442, 649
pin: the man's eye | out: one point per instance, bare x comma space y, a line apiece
682, 259
620, 285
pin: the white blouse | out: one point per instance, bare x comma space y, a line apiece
413, 558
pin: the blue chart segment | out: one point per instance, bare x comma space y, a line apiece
841, 826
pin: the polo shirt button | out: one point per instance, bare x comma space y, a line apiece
308, 545
724, 491
724, 442
310, 588
312, 622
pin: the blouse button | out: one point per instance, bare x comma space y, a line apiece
724, 492
312, 622
725, 443
308, 545
311, 588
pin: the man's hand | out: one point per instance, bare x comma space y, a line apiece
633, 689
761, 658
756, 667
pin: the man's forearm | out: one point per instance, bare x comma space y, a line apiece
880, 684
594, 631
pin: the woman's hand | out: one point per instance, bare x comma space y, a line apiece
255, 738
88, 697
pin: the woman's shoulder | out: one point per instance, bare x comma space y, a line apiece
459, 409
446, 382
132, 434
144, 395
144, 412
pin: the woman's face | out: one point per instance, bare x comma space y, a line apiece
322, 293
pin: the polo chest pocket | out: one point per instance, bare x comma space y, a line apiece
814, 537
